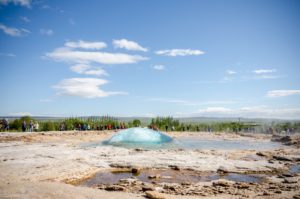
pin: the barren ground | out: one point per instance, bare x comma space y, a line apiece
50, 164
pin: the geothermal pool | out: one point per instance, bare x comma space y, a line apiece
169, 176
149, 139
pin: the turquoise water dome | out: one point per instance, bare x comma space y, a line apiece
139, 137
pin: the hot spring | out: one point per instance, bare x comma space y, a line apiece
149, 139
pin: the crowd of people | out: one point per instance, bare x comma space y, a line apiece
32, 126
4, 124
98, 127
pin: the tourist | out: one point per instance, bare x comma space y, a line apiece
30, 126
6, 124
62, 127
24, 126
36, 126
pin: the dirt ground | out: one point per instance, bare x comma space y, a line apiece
48, 164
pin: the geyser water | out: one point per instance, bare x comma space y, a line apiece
139, 137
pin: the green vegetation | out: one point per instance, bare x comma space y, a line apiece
158, 123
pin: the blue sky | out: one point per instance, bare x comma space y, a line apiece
149, 58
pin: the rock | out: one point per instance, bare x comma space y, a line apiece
117, 165
154, 176
296, 196
222, 169
114, 188
266, 193
261, 154
174, 167
281, 158
128, 180
186, 183
135, 170
171, 186
272, 187
166, 177
277, 191
221, 183
288, 175
243, 185
289, 181
148, 187
284, 139
297, 159
154, 195
139, 149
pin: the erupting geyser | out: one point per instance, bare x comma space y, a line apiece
139, 135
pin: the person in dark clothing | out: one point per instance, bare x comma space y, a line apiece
24, 126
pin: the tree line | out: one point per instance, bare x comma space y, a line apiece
158, 123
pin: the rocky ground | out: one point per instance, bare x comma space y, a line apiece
56, 165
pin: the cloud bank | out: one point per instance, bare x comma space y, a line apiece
282, 93
84, 87
71, 53
250, 112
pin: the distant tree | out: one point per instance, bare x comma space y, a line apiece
48, 126
136, 122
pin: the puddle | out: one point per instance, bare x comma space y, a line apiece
169, 176
192, 143
294, 169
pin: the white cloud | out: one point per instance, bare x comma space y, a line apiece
159, 67
86, 45
266, 74
128, 45
21, 114
75, 56
79, 68
47, 32
25, 19
14, 32
282, 93
84, 87
179, 52
231, 72
8, 54
25, 3
268, 77
264, 71
247, 112
189, 102
88, 70
215, 110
